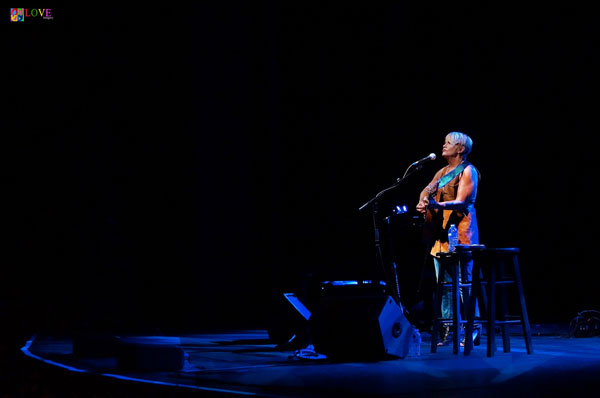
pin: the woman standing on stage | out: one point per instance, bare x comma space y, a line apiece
450, 199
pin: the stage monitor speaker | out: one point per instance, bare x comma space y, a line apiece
360, 327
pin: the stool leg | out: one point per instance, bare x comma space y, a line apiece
456, 319
483, 293
524, 316
504, 309
491, 315
475, 288
437, 311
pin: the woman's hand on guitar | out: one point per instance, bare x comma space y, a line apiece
433, 204
422, 205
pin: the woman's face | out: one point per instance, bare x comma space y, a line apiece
451, 149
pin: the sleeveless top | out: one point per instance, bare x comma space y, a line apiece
465, 220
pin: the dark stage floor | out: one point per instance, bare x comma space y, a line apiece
245, 363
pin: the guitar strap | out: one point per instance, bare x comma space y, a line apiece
450, 176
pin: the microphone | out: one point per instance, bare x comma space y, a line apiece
419, 162
429, 157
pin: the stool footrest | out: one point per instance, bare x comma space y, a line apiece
446, 321
508, 321
511, 321
449, 284
502, 282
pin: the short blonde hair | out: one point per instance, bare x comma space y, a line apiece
456, 137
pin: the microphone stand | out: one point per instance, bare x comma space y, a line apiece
374, 203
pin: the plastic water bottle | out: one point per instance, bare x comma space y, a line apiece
414, 349
452, 238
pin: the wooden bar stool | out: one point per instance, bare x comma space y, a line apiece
450, 262
493, 264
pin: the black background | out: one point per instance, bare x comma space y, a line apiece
178, 168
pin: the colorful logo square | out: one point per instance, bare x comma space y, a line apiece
17, 14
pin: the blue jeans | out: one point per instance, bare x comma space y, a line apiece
465, 275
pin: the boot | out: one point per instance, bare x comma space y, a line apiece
476, 336
444, 336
